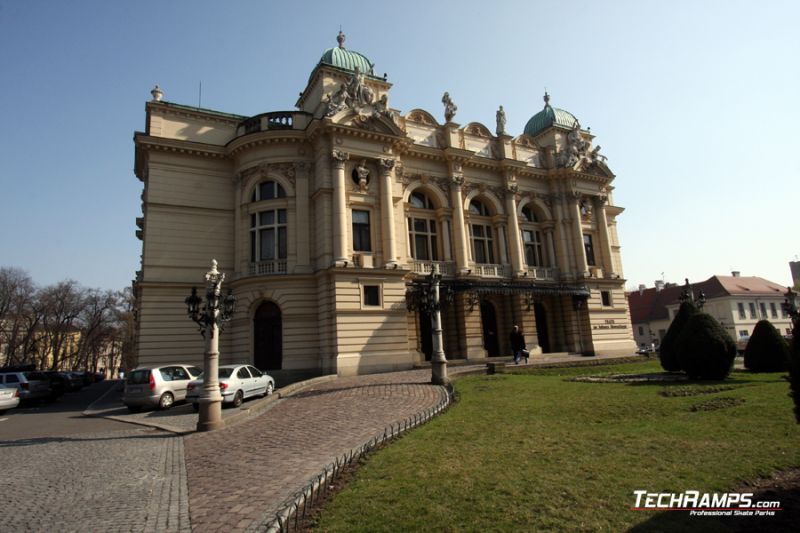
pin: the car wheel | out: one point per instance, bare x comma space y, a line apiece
238, 398
134, 408
166, 401
270, 389
196, 407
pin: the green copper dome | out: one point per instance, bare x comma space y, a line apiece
341, 57
547, 117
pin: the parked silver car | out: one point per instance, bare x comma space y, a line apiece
159, 386
9, 398
236, 383
29, 388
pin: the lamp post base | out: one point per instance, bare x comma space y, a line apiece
210, 417
439, 373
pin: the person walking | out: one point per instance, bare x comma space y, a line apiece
518, 345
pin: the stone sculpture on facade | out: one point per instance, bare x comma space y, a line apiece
501, 121
450, 108
356, 95
576, 154
363, 176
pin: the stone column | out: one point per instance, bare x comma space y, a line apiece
581, 268
602, 231
338, 159
563, 257
498, 227
551, 248
444, 232
514, 242
459, 227
387, 214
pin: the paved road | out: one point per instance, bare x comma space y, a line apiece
66, 472
61, 417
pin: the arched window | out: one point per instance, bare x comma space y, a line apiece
422, 228
268, 190
532, 238
481, 232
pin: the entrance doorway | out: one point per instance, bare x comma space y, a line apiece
425, 334
489, 323
541, 326
268, 337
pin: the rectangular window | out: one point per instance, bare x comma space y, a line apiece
763, 308
422, 236
361, 237
742, 314
587, 245
482, 245
773, 310
605, 296
744, 333
752, 310
268, 237
372, 295
532, 241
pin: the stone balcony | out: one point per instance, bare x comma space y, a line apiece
274, 121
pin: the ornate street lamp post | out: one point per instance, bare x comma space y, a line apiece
687, 295
210, 319
438, 359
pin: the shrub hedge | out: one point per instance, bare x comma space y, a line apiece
766, 350
668, 354
705, 350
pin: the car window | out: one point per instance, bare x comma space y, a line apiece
225, 372
139, 377
254, 371
179, 373
12, 378
243, 373
194, 371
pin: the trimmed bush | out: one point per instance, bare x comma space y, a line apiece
766, 350
705, 350
667, 352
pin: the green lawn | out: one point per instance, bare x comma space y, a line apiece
535, 452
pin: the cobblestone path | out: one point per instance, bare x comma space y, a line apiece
239, 477
111, 482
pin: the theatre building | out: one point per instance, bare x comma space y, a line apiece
328, 219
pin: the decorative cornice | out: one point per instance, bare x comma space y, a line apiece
161, 144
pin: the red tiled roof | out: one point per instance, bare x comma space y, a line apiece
650, 304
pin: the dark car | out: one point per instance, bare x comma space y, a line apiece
58, 383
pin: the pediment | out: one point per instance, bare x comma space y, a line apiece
421, 116
526, 141
369, 121
477, 129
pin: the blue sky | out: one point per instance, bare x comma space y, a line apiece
694, 103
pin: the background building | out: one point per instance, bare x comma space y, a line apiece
324, 217
737, 303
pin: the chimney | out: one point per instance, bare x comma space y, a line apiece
736, 273
659, 285
642, 287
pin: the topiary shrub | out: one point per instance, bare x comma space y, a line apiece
667, 353
705, 350
766, 350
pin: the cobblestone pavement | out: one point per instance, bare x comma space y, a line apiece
118, 481
239, 477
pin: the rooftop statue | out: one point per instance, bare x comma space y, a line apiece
449, 107
501, 121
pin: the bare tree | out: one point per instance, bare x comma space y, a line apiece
17, 295
62, 304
